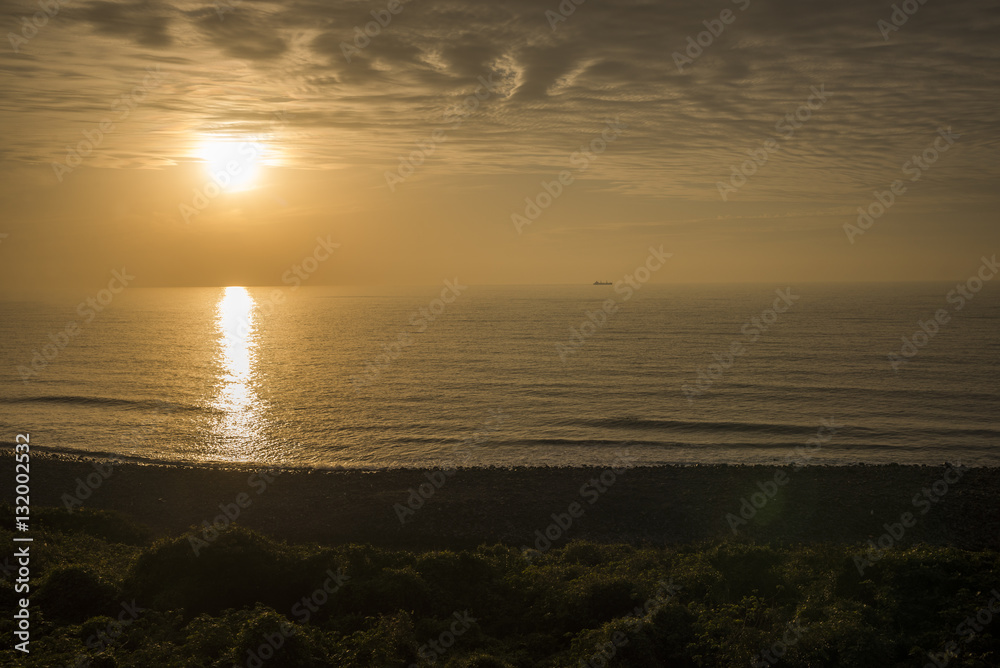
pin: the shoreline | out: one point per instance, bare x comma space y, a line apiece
79, 456
658, 505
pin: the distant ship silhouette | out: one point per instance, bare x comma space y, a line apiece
600, 283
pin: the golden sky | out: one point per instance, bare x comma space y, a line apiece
117, 114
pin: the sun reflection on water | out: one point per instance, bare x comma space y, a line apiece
240, 409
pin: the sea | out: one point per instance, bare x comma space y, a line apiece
507, 376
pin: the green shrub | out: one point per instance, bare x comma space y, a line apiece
73, 593
219, 608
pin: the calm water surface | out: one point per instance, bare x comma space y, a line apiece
332, 377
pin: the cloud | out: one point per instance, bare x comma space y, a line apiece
686, 129
145, 22
241, 33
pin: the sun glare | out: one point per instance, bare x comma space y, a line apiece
234, 165
238, 407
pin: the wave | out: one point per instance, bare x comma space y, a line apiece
854, 431
78, 400
499, 444
626, 422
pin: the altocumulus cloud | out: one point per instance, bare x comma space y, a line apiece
605, 59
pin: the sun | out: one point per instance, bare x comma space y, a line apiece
233, 164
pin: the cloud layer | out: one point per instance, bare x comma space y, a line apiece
358, 92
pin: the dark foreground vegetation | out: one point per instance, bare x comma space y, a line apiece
104, 594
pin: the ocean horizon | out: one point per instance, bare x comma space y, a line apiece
473, 375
